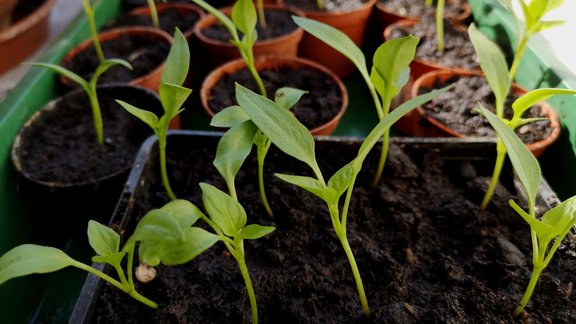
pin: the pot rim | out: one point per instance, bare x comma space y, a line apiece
27, 22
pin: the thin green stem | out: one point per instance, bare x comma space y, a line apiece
244, 270
500, 158
262, 150
153, 13
89, 11
163, 169
518, 56
428, 3
261, 16
130, 264
356, 273
440, 25
320, 4
96, 113
529, 290
258, 79
385, 108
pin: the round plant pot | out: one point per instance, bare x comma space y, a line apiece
455, 11
24, 36
144, 47
284, 66
221, 51
128, 5
352, 23
426, 125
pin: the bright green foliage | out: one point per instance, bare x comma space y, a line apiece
89, 87
172, 96
292, 138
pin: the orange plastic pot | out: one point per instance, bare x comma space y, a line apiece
275, 63
427, 126
385, 16
220, 52
24, 36
352, 23
183, 9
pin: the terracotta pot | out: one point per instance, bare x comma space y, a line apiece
352, 23
418, 66
24, 37
150, 80
220, 52
274, 63
385, 16
427, 126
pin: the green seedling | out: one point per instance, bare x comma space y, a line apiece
440, 25
495, 69
153, 13
320, 4
389, 73
172, 96
89, 87
533, 14
548, 232
291, 137
89, 12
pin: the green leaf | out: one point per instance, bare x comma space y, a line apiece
549, 24
287, 97
103, 239
178, 61
561, 216
184, 212
336, 39
146, 116
67, 73
533, 97
229, 117
544, 231
104, 66
390, 62
493, 65
523, 161
233, 149
30, 258
342, 179
222, 18
255, 231
309, 184
245, 17
279, 125
173, 97
157, 225
224, 210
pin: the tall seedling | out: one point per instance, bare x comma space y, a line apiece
389, 73
153, 13
89, 12
172, 95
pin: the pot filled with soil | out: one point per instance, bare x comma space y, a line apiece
23, 29
349, 16
458, 53
128, 5
320, 110
431, 253
280, 36
143, 47
388, 12
454, 113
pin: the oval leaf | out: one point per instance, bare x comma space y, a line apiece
233, 149
103, 239
184, 212
229, 117
307, 183
178, 60
224, 210
157, 225
287, 97
146, 116
533, 97
255, 231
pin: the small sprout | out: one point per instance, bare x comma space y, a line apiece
89, 11
89, 87
172, 95
145, 273
440, 25
153, 13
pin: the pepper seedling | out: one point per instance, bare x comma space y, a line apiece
153, 13
291, 137
494, 66
172, 96
89, 88
548, 232
89, 12
389, 73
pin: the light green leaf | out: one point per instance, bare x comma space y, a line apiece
309, 184
146, 116
67, 73
233, 149
173, 97
493, 65
103, 239
157, 225
533, 97
222, 18
544, 231
224, 210
184, 212
30, 258
562, 215
336, 39
104, 66
229, 117
523, 161
287, 97
549, 24
342, 179
255, 231
279, 125
178, 60
245, 17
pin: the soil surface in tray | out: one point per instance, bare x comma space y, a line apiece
278, 23
410, 8
144, 54
458, 51
317, 107
330, 5
457, 110
425, 250
168, 20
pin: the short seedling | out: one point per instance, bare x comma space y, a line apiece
291, 137
495, 69
89, 87
548, 232
153, 13
89, 12
172, 95
390, 70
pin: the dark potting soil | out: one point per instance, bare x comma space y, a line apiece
168, 20
128, 5
317, 107
458, 50
457, 109
426, 252
278, 23
144, 54
61, 147
329, 5
410, 8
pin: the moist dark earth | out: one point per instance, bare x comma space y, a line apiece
168, 21
457, 109
317, 107
426, 252
410, 8
330, 5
